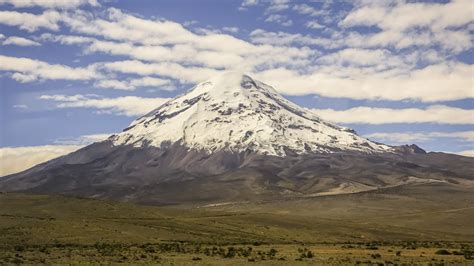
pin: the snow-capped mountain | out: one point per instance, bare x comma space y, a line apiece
234, 112
233, 139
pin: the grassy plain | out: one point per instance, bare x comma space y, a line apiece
381, 228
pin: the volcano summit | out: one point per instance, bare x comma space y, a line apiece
233, 138
236, 113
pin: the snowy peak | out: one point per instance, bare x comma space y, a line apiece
234, 112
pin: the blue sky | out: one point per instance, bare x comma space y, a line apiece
72, 72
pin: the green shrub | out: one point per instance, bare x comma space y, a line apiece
468, 254
442, 252
43, 249
149, 249
230, 252
19, 248
376, 256
272, 252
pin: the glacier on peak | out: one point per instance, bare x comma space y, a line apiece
237, 113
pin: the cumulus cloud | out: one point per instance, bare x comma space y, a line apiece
277, 6
280, 19
271, 6
132, 84
437, 114
16, 159
119, 26
163, 84
442, 82
305, 9
30, 22
83, 140
28, 70
355, 65
113, 84
171, 70
403, 15
261, 36
410, 137
167, 41
231, 29
62, 4
361, 57
469, 153
126, 105
402, 21
20, 41
313, 24
183, 53
248, 3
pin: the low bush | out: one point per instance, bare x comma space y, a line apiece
442, 252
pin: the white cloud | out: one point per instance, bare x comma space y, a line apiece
282, 38
190, 23
127, 105
152, 82
313, 24
450, 41
28, 70
272, 6
83, 140
361, 57
402, 15
438, 114
280, 19
231, 29
420, 24
20, 106
469, 153
16, 159
247, 3
24, 78
166, 49
407, 137
62, 4
277, 6
179, 53
14, 40
127, 28
132, 84
172, 70
305, 9
166, 41
113, 84
31, 22
442, 82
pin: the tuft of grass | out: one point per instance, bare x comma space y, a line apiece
442, 252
